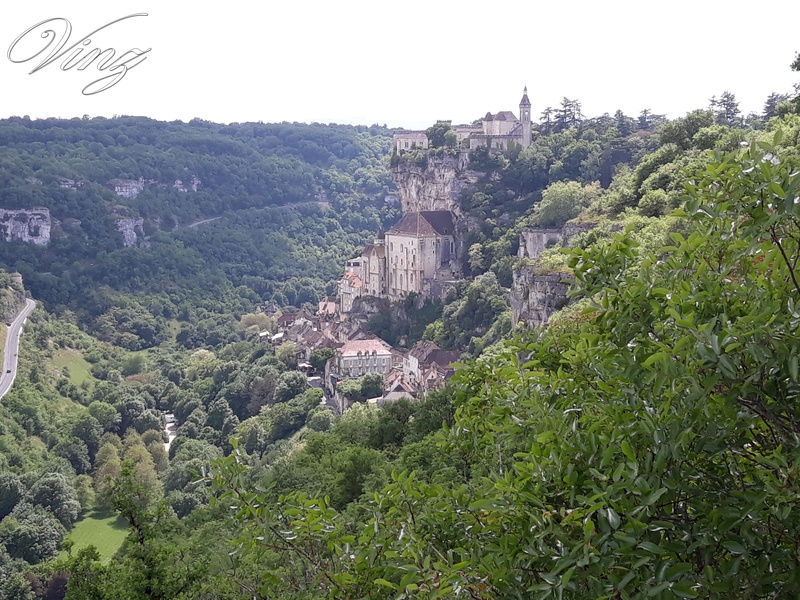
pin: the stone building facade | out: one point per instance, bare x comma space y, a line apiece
501, 130
410, 140
420, 247
418, 251
497, 131
359, 357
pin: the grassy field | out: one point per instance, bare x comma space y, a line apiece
79, 368
106, 531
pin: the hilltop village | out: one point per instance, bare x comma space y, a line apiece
321, 360
421, 254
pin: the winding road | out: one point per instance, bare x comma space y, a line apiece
12, 348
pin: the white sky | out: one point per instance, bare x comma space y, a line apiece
404, 63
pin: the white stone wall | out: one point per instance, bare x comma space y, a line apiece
409, 140
404, 268
532, 242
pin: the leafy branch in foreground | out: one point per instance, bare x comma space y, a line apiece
647, 448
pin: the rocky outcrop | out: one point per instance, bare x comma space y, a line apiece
128, 188
434, 185
12, 295
534, 298
131, 230
26, 225
185, 187
533, 240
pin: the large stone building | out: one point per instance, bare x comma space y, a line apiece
359, 357
420, 248
497, 131
410, 140
418, 251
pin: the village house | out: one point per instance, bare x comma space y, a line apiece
359, 357
351, 286
327, 308
410, 140
427, 366
286, 320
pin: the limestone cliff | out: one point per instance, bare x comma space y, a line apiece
534, 298
434, 184
131, 230
12, 296
26, 225
534, 240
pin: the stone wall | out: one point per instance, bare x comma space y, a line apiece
532, 242
26, 225
534, 298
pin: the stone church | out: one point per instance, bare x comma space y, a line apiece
417, 253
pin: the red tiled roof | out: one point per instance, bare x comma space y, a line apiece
352, 279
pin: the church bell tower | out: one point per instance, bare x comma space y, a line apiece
525, 118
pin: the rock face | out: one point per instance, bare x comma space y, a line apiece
12, 300
128, 226
534, 298
435, 186
185, 187
533, 241
128, 188
26, 225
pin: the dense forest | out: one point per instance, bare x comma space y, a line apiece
288, 203
645, 444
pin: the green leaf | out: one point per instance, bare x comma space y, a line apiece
653, 358
613, 518
627, 451
653, 498
683, 590
658, 589
651, 547
734, 547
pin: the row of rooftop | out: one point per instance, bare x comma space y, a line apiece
356, 352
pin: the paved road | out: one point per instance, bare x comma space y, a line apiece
12, 348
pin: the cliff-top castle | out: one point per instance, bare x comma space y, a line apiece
496, 131
422, 251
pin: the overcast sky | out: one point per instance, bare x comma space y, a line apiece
404, 64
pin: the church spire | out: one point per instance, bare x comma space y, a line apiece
525, 101
525, 118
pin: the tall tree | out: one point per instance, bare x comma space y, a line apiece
771, 105
726, 109
546, 119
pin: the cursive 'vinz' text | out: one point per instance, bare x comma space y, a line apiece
79, 55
